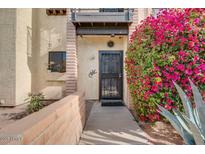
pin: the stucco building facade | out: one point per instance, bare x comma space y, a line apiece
81, 41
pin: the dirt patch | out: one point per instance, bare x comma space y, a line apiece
161, 133
15, 116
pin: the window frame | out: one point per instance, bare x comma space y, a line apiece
49, 60
116, 10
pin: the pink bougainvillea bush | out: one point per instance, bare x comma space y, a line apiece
166, 48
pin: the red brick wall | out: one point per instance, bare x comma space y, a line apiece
134, 23
71, 60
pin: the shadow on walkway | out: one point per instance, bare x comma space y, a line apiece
112, 125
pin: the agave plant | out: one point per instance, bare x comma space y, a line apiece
191, 124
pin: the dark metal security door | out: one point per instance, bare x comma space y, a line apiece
111, 75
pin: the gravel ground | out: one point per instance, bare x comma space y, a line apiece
161, 133
10, 114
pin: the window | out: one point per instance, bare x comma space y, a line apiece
57, 61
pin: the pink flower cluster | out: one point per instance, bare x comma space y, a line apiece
178, 35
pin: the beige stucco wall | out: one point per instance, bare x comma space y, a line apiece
27, 35
88, 60
7, 56
23, 54
15, 46
49, 34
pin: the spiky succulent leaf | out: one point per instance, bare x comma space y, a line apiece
199, 139
197, 96
186, 103
182, 121
192, 126
196, 116
188, 138
201, 113
200, 107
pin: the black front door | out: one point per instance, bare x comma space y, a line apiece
111, 75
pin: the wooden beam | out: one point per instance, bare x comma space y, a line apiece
102, 30
54, 12
57, 11
64, 11
48, 12
61, 12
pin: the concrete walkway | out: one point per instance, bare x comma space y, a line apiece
111, 125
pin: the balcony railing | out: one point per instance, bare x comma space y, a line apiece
116, 15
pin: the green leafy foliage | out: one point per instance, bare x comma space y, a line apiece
35, 102
162, 49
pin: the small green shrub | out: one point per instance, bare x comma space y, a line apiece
35, 102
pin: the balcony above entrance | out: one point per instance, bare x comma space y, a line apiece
102, 21
108, 15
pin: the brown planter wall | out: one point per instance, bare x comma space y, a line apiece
59, 123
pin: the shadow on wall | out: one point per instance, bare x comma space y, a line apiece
29, 52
